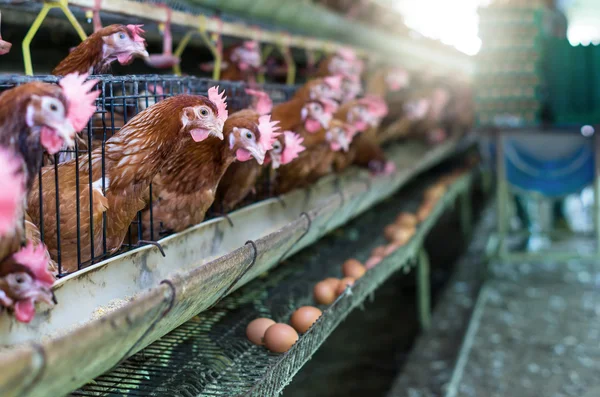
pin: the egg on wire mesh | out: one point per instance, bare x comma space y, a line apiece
345, 282
303, 318
279, 338
324, 291
353, 268
255, 331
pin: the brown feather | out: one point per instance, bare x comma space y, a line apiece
87, 57
132, 158
288, 114
236, 184
186, 187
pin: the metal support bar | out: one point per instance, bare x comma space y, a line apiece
266, 51
501, 189
214, 49
35, 26
424, 289
466, 218
597, 189
289, 62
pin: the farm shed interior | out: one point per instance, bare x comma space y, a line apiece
324, 198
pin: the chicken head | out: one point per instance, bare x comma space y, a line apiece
253, 140
285, 149
206, 119
351, 89
397, 79
327, 88
317, 114
339, 136
247, 56
60, 113
124, 45
25, 280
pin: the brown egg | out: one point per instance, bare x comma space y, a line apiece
324, 292
373, 261
332, 281
390, 248
279, 338
402, 234
378, 251
424, 211
303, 318
353, 268
255, 331
346, 281
389, 231
407, 219
435, 192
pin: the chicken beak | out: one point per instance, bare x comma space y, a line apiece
67, 133
217, 130
276, 160
258, 153
344, 142
64, 131
324, 119
141, 51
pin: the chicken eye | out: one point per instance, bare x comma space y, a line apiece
276, 146
20, 279
122, 36
204, 112
53, 107
249, 135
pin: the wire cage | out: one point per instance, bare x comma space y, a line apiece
121, 98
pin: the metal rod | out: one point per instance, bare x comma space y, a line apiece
78, 204
466, 220
35, 26
501, 189
424, 290
597, 187
58, 250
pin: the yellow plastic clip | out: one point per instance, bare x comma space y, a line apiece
35, 26
180, 48
209, 43
266, 51
284, 49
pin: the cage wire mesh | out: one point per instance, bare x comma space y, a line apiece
211, 356
121, 98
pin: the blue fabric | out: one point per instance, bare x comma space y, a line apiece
552, 178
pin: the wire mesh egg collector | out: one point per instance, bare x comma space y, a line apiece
115, 306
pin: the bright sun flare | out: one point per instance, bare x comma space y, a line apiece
453, 22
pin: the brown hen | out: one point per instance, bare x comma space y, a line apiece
132, 158
94, 55
186, 187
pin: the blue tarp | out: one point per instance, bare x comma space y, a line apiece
555, 177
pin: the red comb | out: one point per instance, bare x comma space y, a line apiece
269, 131
351, 130
329, 106
80, 100
251, 45
219, 101
12, 191
375, 104
334, 82
36, 259
293, 146
347, 53
136, 32
263, 104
